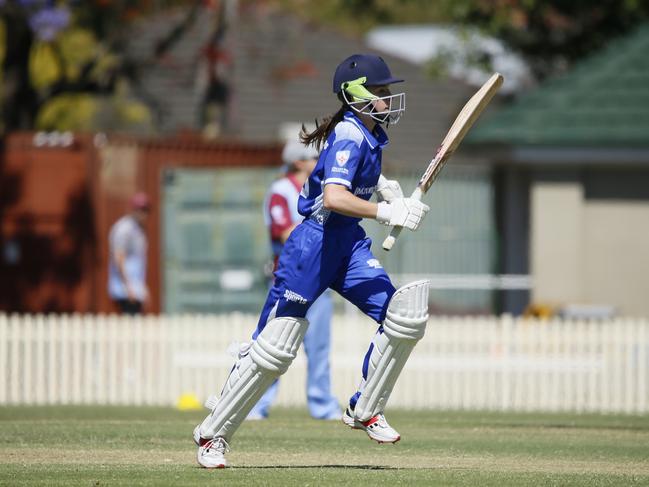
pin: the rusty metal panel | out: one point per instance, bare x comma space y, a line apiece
58, 201
47, 232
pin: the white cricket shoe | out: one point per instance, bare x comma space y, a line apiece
349, 420
211, 453
377, 427
197, 435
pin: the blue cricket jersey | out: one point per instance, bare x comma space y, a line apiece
350, 157
330, 250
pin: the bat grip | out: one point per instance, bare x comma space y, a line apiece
395, 231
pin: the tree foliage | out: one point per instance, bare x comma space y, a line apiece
358, 16
74, 47
64, 64
549, 34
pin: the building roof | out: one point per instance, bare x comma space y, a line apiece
602, 102
460, 47
281, 73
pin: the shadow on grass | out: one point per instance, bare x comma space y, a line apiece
350, 467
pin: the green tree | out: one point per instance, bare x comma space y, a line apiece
64, 64
549, 34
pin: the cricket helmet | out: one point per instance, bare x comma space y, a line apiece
295, 150
359, 71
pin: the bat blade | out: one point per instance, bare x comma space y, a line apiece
463, 122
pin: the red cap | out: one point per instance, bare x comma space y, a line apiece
140, 201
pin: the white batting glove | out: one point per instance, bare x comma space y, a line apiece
388, 189
402, 212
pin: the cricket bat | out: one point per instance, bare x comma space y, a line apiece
469, 114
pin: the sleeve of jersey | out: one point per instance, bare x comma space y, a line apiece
341, 163
280, 215
119, 242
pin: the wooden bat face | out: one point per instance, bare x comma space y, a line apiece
434, 167
466, 118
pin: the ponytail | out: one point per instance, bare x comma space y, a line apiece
323, 128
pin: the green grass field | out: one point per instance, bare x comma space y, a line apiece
93, 446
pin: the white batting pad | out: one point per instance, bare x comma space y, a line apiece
404, 326
258, 366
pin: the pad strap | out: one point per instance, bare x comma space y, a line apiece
403, 327
257, 368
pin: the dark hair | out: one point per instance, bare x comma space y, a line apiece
324, 127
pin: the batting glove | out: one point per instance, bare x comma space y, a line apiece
388, 189
402, 212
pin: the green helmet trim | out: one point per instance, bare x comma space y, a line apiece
356, 89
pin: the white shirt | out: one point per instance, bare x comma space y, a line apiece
127, 237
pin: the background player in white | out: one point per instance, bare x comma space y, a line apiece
281, 217
127, 260
329, 249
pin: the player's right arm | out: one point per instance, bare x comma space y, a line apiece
400, 212
339, 199
340, 166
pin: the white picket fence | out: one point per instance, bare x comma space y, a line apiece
490, 363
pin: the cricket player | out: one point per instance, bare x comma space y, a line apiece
329, 249
281, 217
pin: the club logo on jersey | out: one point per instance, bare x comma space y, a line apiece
374, 263
293, 296
342, 156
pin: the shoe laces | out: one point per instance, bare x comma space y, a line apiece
217, 444
381, 422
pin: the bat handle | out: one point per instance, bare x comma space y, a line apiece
390, 239
395, 231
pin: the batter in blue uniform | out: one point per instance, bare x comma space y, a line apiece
281, 216
329, 249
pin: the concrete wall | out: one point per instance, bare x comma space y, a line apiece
590, 239
556, 238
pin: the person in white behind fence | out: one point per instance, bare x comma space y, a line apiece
329, 249
281, 217
127, 260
